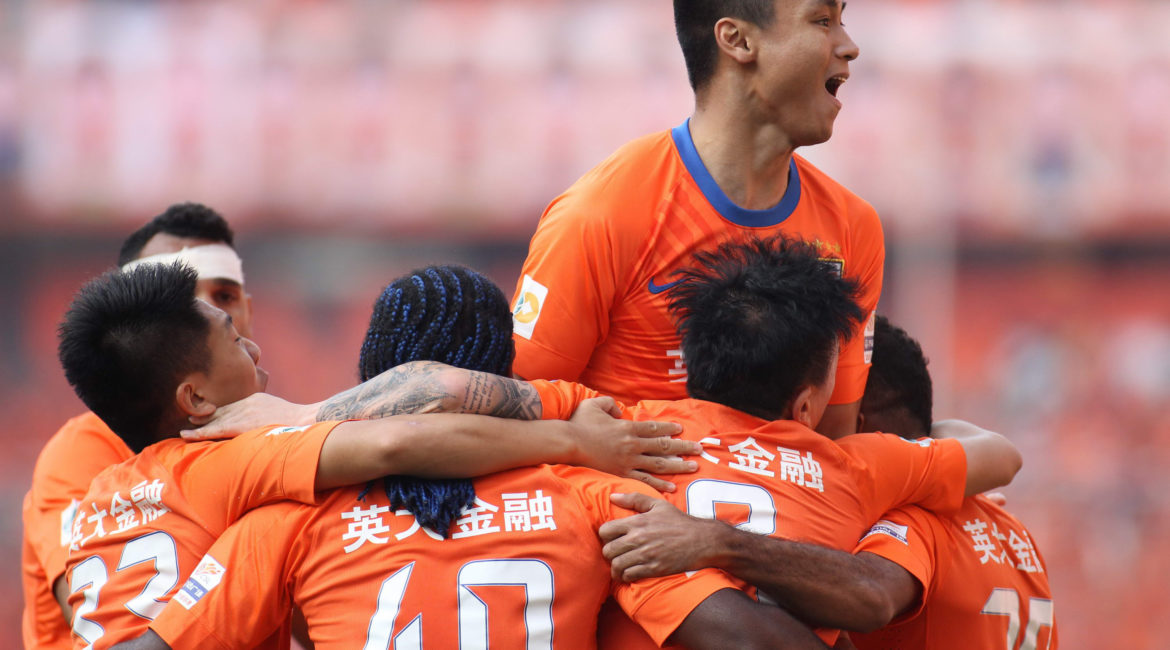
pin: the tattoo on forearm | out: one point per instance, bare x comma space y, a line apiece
501, 397
405, 389
518, 400
415, 388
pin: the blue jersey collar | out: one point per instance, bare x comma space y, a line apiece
718, 200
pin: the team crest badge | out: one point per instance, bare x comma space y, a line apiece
528, 305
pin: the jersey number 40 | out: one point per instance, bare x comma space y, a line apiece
535, 576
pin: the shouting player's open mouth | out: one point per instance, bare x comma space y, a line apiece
833, 84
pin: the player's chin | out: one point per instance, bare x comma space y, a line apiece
816, 134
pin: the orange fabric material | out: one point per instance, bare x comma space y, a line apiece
785, 480
80, 449
539, 571
960, 561
607, 247
156, 514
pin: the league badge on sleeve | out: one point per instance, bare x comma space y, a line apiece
203, 579
889, 529
528, 305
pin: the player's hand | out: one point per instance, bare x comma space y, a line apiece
258, 410
661, 541
628, 448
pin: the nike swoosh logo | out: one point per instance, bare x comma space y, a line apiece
659, 288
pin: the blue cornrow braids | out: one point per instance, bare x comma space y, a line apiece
439, 313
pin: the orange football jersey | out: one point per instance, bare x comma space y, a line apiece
144, 523
522, 568
80, 449
783, 479
591, 302
984, 583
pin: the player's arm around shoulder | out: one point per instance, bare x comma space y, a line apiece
992, 459
414, 387
461, 445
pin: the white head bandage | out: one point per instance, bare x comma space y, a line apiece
211, 262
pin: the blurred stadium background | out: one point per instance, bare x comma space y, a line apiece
1018, 152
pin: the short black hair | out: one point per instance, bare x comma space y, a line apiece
126, 342
193, 220
759, 321
694, 23
899, 388
445, 313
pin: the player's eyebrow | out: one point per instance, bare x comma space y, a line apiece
832, 4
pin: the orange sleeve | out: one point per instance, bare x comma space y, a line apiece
866, 261
568, 282
255, 468
237, 595
658, 605
558, 399
79, 451
907, 537
928, 472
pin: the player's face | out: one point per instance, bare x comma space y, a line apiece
228, 295
233, 373
803, 59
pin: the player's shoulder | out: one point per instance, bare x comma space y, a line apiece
624, 187
77, 452
86, 438
818, 186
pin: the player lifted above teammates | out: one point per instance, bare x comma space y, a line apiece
84, 446
968, 580
591, 305
146, 355
513, 559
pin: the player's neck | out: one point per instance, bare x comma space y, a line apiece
748, 160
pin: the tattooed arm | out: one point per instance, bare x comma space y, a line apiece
597, 439
411, 388
429, 387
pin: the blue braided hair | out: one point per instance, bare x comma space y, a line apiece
450, 314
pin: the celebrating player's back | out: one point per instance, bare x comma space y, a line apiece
984, 583
975, 591
146, 522
522, 568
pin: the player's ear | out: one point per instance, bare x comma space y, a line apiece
802, 407
190, 400
860, 421
736, 39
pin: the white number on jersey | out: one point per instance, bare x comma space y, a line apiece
703, 494
535, 576
1006, 602
91, 575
